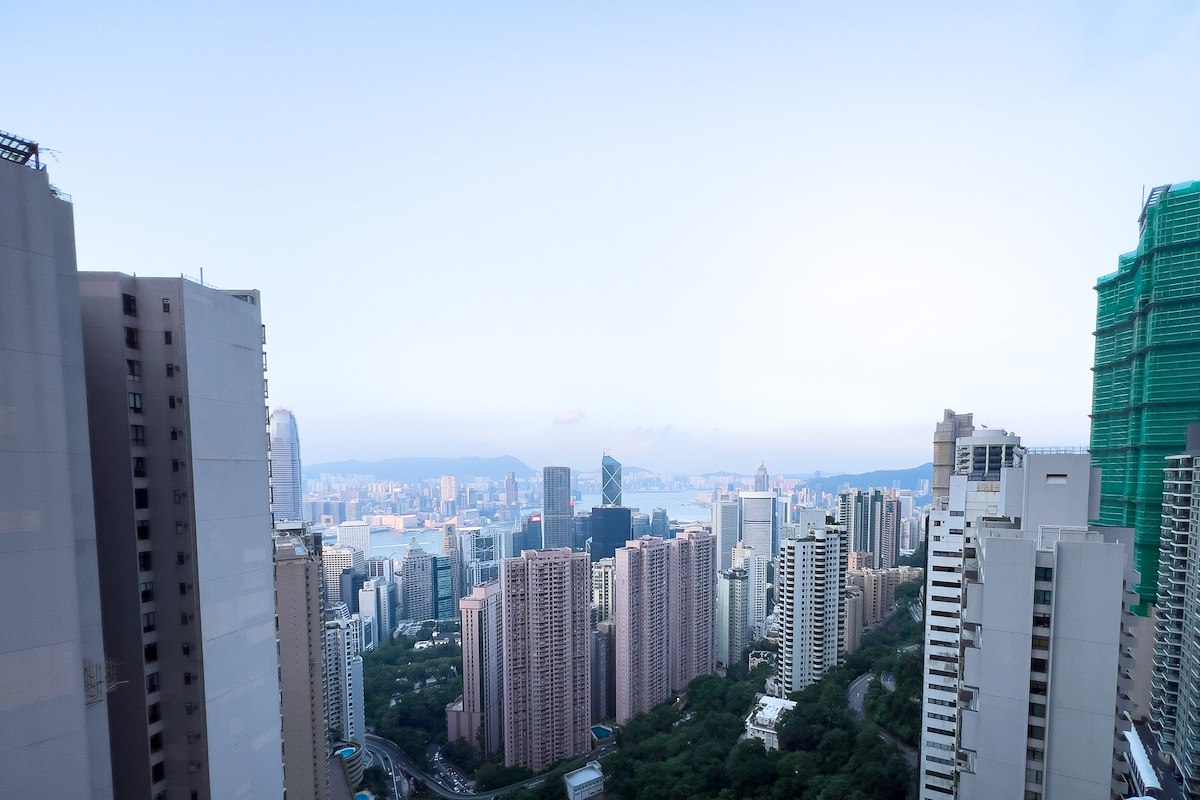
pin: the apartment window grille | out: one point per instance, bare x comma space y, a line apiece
137, 435
141, 498
129, 305
170, 370
139, 467
166, 337
166, 304
135, 403
148, 622
131, 338
147, 591
150, 654
144, 563
133, 369
143, 529
153, 713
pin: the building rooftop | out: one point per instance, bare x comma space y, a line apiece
766, 712
14, 148
584, 775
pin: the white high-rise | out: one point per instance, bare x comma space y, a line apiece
811, 579
344, 675
334, 561
357, 534
757, 521
733, 630
287, 482
755, 563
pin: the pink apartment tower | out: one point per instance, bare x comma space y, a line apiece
547, 650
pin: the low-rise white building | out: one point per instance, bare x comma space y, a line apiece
764, 717
587, 781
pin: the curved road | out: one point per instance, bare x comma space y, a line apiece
855, 695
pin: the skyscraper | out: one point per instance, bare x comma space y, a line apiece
733, 630
344, 675
416, 585
757, 519
287, 481
510, 490
659, 525
449, 496
334, 561
179, 468
762, 481
640, 609
1146, 385
755, 564
558, 529
610, 481
725, 526
691, 606
945, 433
357, 534
547, 655
55, 675
300, 636
478, 715
611, 527
604, 586
811, 579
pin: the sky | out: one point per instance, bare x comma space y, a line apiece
700, 235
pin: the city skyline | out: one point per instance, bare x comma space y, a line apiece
677, 154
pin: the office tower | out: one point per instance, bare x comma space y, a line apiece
356, 534
604, 584
811, 585
478, 716
945, 433
300, 638
691, 606
611, 527
510, 490
762, 481
557, 509
757, 518
382, 567
445, 604
733, 616
1175, 688
582, 531
287, 481
416, 585
640, 609
604, 668
1146, 387
547, 649
457, 579
725, 526
344, 676
183, 521
479, 553
336, 560
658, 523
1028, 682
639, 523
56, 679
449, 496
755, 564
527, 535
375, 609
610, 481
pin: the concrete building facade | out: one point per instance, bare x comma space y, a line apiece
482, 701
640, 610
811, 576
691, 607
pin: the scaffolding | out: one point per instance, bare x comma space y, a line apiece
1146, 378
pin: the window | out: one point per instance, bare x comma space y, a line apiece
139, 467
182, 588
180, 527
174, 434
187, 679
1041, 620
1043, 573
147, 591
1036, 732
147, 622
133, 369
183, 618
156, 772
143, 529
1037, 709
176, 465
135, 403
153, 713
1037, 688
166, 337
131, 338
1042, 596
129, 304
1037, 664
150, 654
189, 708
171, 401
1040, 642
156, 742
1056, 478
144, 561
141, 498
181, 558
179, 495
167, 305
187, 648
1035, 755
170, 370
137, 435
1033, 776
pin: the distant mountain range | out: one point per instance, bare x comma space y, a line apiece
418, 468
882, 478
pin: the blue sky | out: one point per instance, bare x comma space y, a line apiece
698, 234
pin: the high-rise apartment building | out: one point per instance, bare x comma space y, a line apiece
416, 585
610, 481
375, 608
54, 676
756, 566
477, 715
691, 606
336, 560
300, 638
733, 629
604, 585
945, 433
287, 480
179, 468
756, 516
640, 609
344, 675
1175, 687
725, 526
1029, 676
547, 655
558, 529
1146, 387
811, 579
479, 553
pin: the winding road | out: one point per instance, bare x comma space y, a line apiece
855, 695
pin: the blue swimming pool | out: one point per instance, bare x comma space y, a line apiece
600, 732
346, 752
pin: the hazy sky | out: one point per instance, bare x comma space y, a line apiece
698, 234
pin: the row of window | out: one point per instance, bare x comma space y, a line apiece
133, 338
137, 435
146, 561
129, 305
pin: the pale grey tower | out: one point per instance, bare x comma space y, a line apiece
287, 494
